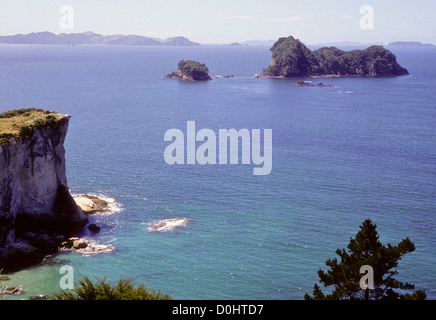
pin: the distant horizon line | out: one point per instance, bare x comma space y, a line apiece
244, 42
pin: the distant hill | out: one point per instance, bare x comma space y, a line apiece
344, 44
93, 38
235, 44
409, 44
259, 42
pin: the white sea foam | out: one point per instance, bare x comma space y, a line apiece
92, 247
114, 206
166, 225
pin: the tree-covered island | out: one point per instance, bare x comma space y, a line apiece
190, 70
291, 58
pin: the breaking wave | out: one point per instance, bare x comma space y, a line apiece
166, 225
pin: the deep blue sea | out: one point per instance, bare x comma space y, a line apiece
363, 149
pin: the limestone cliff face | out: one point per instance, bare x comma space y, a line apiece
33, 184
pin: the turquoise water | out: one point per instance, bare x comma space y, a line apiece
364, 149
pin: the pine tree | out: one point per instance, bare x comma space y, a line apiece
366, 250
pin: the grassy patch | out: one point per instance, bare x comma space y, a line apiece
21, 123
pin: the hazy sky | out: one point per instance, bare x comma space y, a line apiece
224, 21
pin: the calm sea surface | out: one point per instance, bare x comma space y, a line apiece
363, 149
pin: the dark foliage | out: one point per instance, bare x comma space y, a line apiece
291, 58
194, 69
125, 289
366, 250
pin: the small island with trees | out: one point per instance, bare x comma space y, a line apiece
291, 58
190, 70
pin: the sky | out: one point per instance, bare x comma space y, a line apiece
226, 21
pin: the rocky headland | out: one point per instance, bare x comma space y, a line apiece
37, 211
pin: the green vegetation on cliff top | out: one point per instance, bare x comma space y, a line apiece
291, 58
23, 122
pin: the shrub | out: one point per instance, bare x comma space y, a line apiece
19, 112
26, 130
125, 289
4, 137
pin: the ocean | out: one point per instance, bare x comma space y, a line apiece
365, 148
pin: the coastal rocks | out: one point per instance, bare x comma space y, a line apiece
19, 255
224, 76
14, 290
186, 77
47, 243
91, 204
308, 84
168, 224
31, 247
179, 76
93, 227
85, 246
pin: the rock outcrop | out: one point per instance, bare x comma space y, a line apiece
291, 58
34, 195
190, 70
308, 84
91, 204
85, 246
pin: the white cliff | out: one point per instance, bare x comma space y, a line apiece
34, 192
